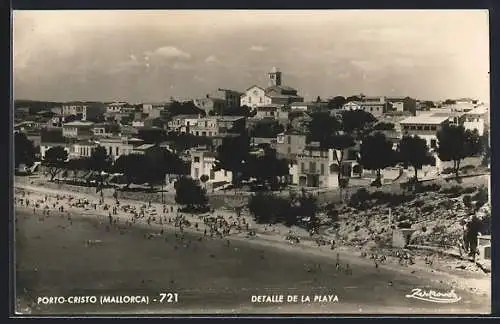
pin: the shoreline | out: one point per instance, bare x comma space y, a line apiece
480, 286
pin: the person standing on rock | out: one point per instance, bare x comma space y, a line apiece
472, 234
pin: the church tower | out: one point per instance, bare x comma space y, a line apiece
274, 77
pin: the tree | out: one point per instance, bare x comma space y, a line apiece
184, 108
267, 208
321, 127
413, 151
340, 142
353, 98
152, 135
305, 206
55, 159
355, 122
318, 99
189, 193
377, 154
182, 141
78, 164
232, 155
267, 129
455, 143
267, 169
450, 102
336, 103
429, 104
99, 160
24, 151
383, 126
238, 111
133, 166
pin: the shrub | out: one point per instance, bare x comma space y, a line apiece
427, 209
404, 224
469, 190
359, 199
467, 200
447, 171
418, 203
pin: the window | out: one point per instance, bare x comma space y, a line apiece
289, 150
196, 172
116, 151
433, 143
433, 128
371, 108
209, 133
419, 127
271, 113
426, 127
212, 174
289, 139
196, 159
322, 169
312, 166
110, 150
260, 99
225, 173
302, 167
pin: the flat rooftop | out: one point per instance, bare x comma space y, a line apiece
425, 119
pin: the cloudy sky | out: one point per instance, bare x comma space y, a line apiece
141, 56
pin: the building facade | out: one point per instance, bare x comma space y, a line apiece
289, 144
209, 104
118, 146
277, 112
83, 111
424, 126
203, 163
275, 93
77, 129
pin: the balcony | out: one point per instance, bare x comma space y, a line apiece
310, 171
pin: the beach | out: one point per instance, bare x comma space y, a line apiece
210, 275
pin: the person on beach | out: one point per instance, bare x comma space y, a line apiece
472, 234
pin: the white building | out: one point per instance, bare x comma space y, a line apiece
376, 108
85, 112
275, 93
203, 163
424, 126
115, 107
255, 96
475, 119
77, 129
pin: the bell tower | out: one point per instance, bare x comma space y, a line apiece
274, 77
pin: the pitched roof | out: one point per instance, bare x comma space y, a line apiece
79, 123
144, 146
254, 86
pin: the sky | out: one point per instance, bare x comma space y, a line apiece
140, 56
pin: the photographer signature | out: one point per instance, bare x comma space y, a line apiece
434, 296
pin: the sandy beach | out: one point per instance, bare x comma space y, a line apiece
210, 275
